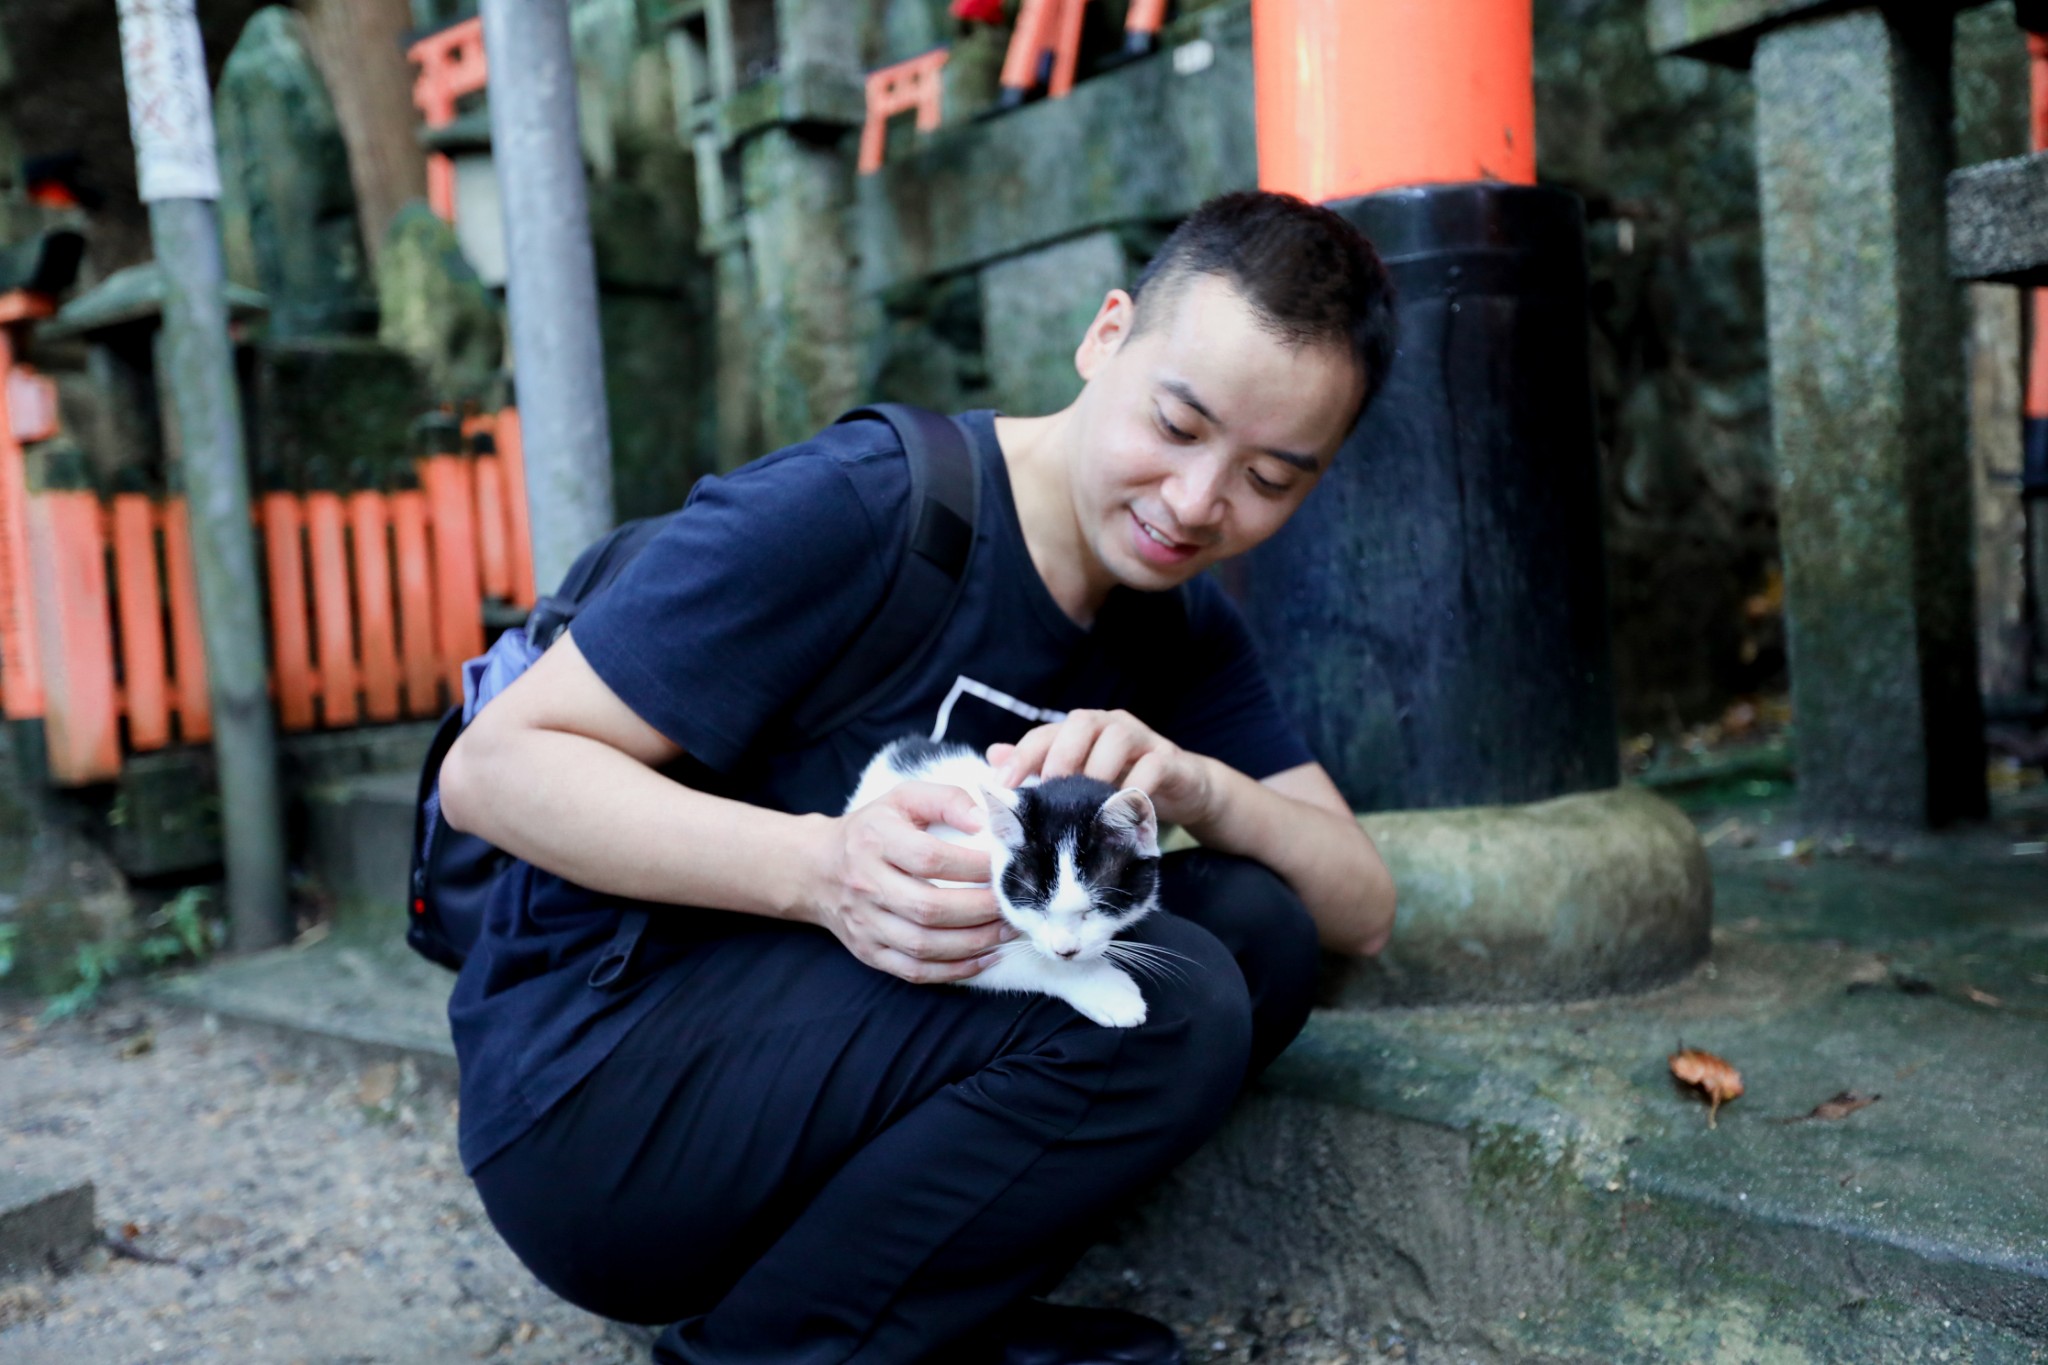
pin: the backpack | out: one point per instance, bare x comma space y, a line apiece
452, 871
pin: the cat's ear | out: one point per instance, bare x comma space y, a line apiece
1130, 813
1001, 805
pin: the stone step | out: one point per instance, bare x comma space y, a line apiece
1527, 1183
44, 1224
1998, 221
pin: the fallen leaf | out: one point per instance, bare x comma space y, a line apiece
1717, 1081
1844, 1103
137, 1046
1983, 997
378, 1084
524, 1333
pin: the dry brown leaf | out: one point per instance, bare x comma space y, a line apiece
1843, 1104
377, 1085
1717, 1081
1983, 997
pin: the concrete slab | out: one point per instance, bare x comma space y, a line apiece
44, 1224
359, 836
1529, 1184
360, 990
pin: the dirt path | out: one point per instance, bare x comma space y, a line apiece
291, 1207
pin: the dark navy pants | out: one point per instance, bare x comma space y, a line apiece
797, 1159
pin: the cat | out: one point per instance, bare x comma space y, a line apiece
1074, 862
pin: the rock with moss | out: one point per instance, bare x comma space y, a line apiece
435, 309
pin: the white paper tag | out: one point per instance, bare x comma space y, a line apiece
170, 112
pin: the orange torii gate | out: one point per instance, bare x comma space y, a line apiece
452, 67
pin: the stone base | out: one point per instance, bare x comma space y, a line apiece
44, 1224
1582, 896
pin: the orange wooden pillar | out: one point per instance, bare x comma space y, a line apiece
2036, 472
188, 645
1354, 98
139, 608
291, 643
505, 436
449, 486
369, 524
21, 675
75, 632
419, 651
1047, 39
333, 611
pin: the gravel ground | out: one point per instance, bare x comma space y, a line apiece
261, 1203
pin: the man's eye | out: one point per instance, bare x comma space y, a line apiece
1266, 485
1166, 425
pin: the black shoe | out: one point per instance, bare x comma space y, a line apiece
1039, 1333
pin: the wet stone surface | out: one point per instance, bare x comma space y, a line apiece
258, 1203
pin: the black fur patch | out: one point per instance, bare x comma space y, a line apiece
1065, 811
914, 752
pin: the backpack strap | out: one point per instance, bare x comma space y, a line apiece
945, 504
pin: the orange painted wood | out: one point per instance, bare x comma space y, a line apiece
512, 451
188, 645
1029, 39
369, 530
418, 653
452, 65
441, 186
1145, 16
1045, 26
458, 595
1354, 98
1066, 48
23, 305
334, 633
493, 552
291, 645
139, 608
21, 670
81, 714
917, 84
2037, 359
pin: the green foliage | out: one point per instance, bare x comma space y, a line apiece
181, 931
8, 933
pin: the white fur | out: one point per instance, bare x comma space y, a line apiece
1088, 980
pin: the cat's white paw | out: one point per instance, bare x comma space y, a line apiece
1113, 1002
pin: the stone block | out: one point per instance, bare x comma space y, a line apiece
1853, 137
1586, 895
288, 216
1726, 31
332, 413
1035, 307
1142, 144
814, 95
1998, 221
44, 1224
166, 814
359, 837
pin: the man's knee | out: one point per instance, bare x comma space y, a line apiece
1197, 1035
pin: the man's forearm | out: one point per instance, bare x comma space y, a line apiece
585, 811
1323, 855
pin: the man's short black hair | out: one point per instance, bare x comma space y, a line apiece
1311, 277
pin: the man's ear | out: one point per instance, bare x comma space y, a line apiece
1001, 805
1106, 334
1130, 812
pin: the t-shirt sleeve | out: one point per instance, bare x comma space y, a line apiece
1227, 708
739, 604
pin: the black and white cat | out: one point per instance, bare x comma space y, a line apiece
1074, 863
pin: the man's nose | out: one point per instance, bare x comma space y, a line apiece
1194, 496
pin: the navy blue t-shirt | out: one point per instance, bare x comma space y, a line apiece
723, 624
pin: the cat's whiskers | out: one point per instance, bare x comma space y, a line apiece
1148, 958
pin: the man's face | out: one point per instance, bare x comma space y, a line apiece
1201, 434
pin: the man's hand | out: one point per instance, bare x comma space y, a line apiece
873, 887
1118, 748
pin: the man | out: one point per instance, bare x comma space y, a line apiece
769, 1123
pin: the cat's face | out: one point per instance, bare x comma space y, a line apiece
1080, 863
